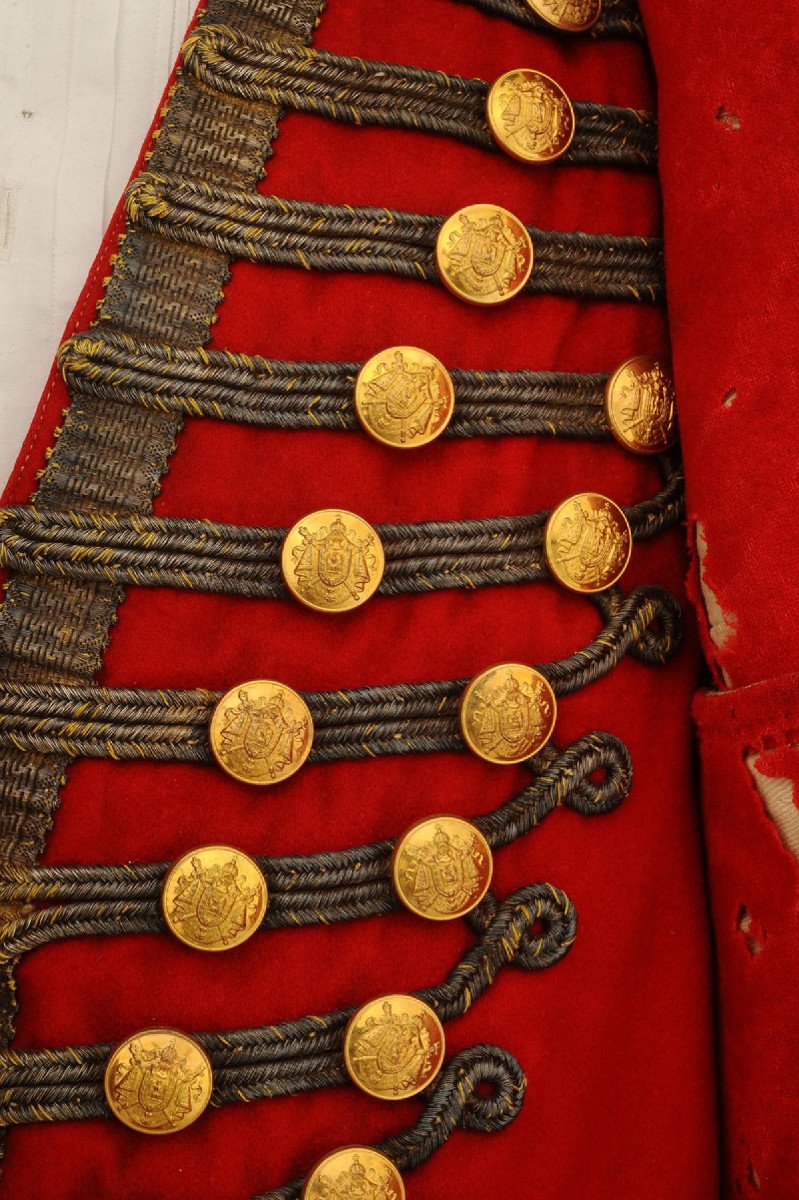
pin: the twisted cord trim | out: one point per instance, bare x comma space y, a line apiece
535, 926
387, 94
619, 18
202, 555
172, 726
109, 365
324, 888
327, 237
452, 1102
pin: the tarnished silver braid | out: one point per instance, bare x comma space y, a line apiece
109, 365
327, 237
418, 718
325, 888
452, 1102
378, 93
202, 555
536, 925
619, 18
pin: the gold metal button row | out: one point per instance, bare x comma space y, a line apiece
262, 731
405, 398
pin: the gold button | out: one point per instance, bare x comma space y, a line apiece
332, 561
508, 713
588, 542
441, 868
394, 1047
571, 16
484, 254
640, 406
261, 732
404, 397
158, 1081
530, 116
214, 898
352, 1172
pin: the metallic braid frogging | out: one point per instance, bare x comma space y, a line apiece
534, 928
206, 556
619, 18
108, 365
327, 237
378, 93
452, 1102
172, 726
325, 888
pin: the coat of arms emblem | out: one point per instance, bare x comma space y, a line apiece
443, 875
355, 1182
393, 1052
485, 255
648, 405
157, 1090
212, 905
332, 565
590, 548
534, 116
404, 398
577, 12
512, 718
260, 736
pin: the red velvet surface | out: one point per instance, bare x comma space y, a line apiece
617, 1040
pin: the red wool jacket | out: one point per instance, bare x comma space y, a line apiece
661, 1053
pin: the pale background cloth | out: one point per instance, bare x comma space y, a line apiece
79, 84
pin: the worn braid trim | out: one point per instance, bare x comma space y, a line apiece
619, 18
107, 365
324, 888
202, 555
299, 1055
452, 1102
379, 93
326, 237
172, 726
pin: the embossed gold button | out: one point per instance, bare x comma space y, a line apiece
404, 397
508, 713
214, 898
571, 16
158, 1081
332, 561
352, 1173
394, 1047
484, 254
530, 116
640, 406
261, 732
441, 868
588, 542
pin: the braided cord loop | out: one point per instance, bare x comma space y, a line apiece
327, 237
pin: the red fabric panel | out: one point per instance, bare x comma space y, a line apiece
730, 170
617, 1040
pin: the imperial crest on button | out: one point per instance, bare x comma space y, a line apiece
353, 1173
484, 254
394, 1047
640, 406
159, 1081
588, 542
261, 732
571, 16
441, 868
332, 560
404, 397
530, 116
214, 898
507, 713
